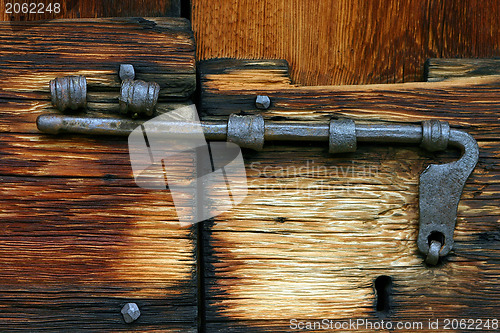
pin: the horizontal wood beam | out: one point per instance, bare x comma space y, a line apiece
161, 49
469, 103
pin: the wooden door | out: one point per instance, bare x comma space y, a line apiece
335, 240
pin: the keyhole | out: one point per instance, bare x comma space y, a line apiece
383, 286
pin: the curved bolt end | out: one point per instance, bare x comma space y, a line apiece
440, 189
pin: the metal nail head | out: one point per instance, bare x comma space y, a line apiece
127, 72
262, 102
130, 312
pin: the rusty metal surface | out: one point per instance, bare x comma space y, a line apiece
440, 189
246, 131
138, 97
69, 92
435, 135
342, 137
262, 102
127, 72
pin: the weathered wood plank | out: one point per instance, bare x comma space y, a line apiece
470, 103
74, 249
316, 230
296, 242
161, 49
79, 237
437, 69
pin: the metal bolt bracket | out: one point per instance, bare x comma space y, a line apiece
342, 136
130, 312
138, 97
440, 185
69, 92
246, 131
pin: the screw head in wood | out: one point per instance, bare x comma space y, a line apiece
262, 102
130, 312
69, 92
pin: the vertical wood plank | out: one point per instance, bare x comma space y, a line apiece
347, 41
79, 238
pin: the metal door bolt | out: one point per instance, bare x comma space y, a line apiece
440, 185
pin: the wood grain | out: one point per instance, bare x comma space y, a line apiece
347, 41
469, 103
93, 9
160, 49
316, 229
79, 238
442, 69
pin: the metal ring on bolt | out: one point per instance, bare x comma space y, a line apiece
69, 92
342, 136
246, 131
435, 135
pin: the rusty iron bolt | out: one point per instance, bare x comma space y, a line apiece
127, 72
262, 102
138, 97
69, 92
440, 186
130, 312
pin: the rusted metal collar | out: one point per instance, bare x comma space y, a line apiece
138, 97
69, 92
